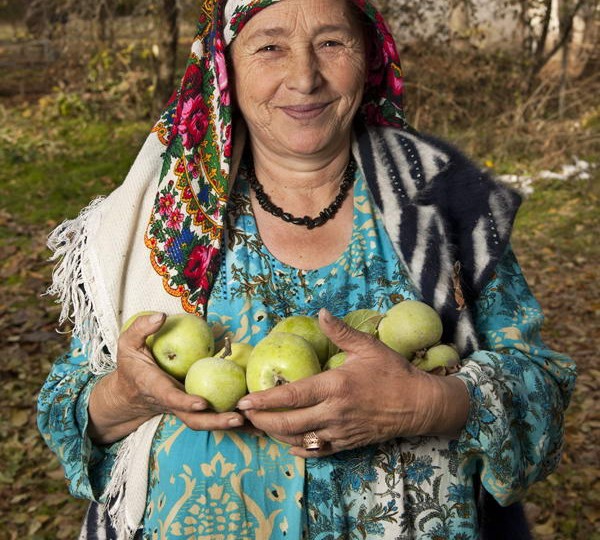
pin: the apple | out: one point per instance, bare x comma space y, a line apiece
181, 340
365, 320
438, 356
335, 361
236, 351
309, 329
410, 326
280, 358
221, 382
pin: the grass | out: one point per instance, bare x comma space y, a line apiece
49, 169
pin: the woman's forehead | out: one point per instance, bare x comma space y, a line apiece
285, 16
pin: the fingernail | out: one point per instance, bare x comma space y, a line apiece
326, 315
156, 318
198, 406
235, 421
244, 404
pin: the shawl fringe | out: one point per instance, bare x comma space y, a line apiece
71, 279
126, 492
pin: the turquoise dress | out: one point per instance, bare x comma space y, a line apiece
233, 485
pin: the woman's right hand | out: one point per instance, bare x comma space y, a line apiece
139, 389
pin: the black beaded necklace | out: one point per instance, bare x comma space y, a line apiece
310, 223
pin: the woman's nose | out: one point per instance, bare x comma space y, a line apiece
303, 73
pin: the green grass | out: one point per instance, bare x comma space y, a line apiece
51, 168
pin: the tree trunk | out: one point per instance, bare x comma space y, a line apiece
566, 31
103, 19
588, 57
459, 23
165, 53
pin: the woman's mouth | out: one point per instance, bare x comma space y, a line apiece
304, 112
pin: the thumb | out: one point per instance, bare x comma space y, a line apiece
344, 336
142, 327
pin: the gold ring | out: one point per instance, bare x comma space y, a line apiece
310, 441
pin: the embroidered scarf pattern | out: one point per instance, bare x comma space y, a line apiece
185, 228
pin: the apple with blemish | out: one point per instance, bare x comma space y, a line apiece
278, 359
438, 356
182, 340
410, 326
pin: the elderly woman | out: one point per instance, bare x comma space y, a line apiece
281, 180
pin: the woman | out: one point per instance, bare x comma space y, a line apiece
246, 180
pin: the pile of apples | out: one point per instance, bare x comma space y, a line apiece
295, 348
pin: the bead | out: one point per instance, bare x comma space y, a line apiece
306, 221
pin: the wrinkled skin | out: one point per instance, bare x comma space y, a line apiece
348, 409
138, 390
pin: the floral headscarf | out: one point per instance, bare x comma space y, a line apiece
185, 229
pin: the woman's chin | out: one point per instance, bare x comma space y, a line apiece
307, 144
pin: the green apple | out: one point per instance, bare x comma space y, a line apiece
410, 326
180, 341
309, 329
236, 351
438, 356
280, 358
335, 361
365, 320
129, 322
219, 381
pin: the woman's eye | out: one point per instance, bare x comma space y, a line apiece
331, 43
268, 48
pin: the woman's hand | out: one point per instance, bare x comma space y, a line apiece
376, 395
138, 390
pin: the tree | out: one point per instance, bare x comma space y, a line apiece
166, 53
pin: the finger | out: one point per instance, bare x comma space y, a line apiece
302, 393
326, 448
211, 421
142, 327
345, 337
301, 452
176, 400
289, 425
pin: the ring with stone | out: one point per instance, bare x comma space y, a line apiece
310, 441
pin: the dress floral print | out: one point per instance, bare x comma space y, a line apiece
234, 485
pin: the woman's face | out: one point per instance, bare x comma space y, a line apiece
299, 73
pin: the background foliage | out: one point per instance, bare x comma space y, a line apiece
80, 86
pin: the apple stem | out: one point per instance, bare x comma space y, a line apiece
227, 348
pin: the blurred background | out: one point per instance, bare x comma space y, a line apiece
514, 83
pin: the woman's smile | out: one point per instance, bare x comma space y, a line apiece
307, 111
299, 75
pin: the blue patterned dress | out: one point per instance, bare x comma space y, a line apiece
233, 485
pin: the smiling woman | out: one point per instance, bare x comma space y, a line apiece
283, 180
311, 57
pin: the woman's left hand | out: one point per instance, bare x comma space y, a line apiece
375, 396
